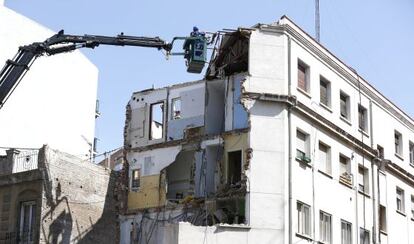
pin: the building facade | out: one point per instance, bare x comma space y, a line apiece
55, 102
47, 196
281, 143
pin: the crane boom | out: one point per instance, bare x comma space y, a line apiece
15, 69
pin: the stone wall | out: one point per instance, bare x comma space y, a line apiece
77, 206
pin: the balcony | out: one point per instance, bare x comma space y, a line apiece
17, 161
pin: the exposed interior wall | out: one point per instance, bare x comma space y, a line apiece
192, 109
179, 176
151, 163
234, 143
214, 111
150, 194
138, 127
236, 116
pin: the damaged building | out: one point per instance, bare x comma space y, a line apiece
47, 196
280, 143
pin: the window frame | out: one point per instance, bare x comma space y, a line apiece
365, 180
137, 181
412, 207
362, 239
348, 229
400, 200
328, 159
32, 220
303, 155
327, 84
173, 111
398, 143
382, 218
345, 177
151, 136
306, 68
347, 101
304, 224
411, 152
362, 124
322, 227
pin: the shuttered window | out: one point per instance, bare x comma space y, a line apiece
324, 92
301, 145
362, 118
303, 76
344, 105
324, 158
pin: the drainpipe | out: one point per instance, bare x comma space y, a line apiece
374, 209
289, 146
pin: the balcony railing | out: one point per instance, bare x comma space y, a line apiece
25, 161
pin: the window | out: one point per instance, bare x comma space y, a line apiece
325, 158
325, 92
383, 219
412, 207
304, 221
157, 121
234, 165
346, 232
400, 200
27, 221
362, 118
176, 108
303, 76
363, 236
398, 143
345, 170
135, 179
411, 150
344, 106
380, 151
363, 180
302, 146
325, 228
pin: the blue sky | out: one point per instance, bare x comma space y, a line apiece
375, 37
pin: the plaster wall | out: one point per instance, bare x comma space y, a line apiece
384, 128
215, 109
267, 63
311, 98
55, 102
139, 124
192, 109
322, 190
268, 141
399, 223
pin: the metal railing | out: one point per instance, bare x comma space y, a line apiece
25, 161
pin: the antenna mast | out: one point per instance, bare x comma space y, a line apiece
317, 22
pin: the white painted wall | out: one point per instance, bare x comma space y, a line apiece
55, 102
268, 198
